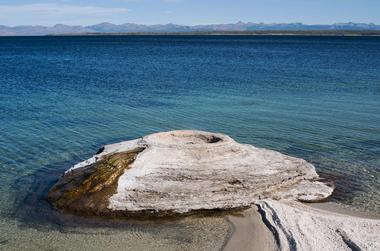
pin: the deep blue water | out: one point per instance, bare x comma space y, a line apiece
317, 98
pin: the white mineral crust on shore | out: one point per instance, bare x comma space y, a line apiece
299, 227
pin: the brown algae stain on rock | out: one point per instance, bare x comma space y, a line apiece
86, 191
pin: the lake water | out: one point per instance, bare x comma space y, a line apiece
61, 98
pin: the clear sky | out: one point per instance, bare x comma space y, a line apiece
84, 12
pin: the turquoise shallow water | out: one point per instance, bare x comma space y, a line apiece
61, 98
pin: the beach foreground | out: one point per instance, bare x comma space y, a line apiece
179, 173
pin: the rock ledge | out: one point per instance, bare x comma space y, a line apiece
181, 172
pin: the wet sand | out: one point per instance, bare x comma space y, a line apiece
249, 232
340, 209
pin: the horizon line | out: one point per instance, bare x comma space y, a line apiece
192, 25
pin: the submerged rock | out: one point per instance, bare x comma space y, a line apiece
180, 172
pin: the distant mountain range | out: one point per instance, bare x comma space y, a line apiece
60, 29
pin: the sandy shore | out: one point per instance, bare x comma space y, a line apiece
295, 226
249, 232
332, 207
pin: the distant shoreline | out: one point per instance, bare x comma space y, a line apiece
253, 33
349, 33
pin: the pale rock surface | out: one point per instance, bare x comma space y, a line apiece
299, 227
185, 171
